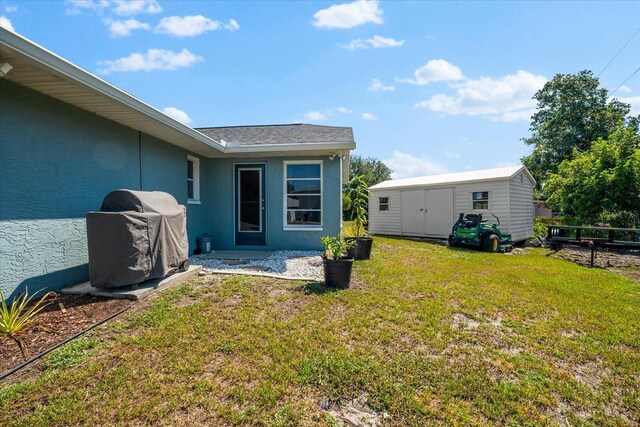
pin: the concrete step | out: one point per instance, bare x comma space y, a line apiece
126, 292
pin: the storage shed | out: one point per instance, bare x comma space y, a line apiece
428, 206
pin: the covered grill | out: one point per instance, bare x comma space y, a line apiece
136, 236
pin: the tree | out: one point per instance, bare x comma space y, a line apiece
572, 112
601, 185
371, 169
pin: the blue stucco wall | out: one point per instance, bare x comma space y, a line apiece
57, 162
220, 187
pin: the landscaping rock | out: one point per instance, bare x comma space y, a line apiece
299, 264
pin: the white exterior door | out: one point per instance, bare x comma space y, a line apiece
413, 212
439, 212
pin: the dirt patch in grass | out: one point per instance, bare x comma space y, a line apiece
356, 413
65, 317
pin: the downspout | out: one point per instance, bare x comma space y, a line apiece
140, 157
341, 189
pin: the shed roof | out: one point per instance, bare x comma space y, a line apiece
295, 133
483, 175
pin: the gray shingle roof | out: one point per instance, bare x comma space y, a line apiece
279, 134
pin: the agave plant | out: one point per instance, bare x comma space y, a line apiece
20, 315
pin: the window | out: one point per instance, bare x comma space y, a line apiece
480, 200
193, 180
383, 203
303, 194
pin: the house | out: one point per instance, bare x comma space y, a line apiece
67, 138
428, 206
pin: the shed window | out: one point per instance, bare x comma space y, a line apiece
480, 200
303, 194
193, 180
383, 203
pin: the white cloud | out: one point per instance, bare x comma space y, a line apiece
355, 44
436, 70
375, 42
152, 60
124, 28
133, 7
379, 41
11, 8
377, 86
6, 24
405, 165
507, 98
634, 101
78, 6
177, 114
119, 7
625, 89
369, 117
315, 116
318, 116
189, 26
349, 15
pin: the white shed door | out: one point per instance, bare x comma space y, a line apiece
413, 211
439, 218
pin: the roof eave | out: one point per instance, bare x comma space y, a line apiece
440, 184
288, 147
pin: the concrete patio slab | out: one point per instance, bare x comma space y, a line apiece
144, 289
238, 255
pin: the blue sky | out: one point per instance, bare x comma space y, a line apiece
428, 87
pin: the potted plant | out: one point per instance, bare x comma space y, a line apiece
359, 195
337, 266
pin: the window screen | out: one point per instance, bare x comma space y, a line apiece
480, 200
383, 203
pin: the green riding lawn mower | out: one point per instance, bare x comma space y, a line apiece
472, 231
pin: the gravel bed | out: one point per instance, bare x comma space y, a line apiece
302, 264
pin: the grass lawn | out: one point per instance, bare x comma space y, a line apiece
427, 335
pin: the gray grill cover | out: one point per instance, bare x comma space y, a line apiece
136, 236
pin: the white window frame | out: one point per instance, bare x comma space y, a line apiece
196, 180
289, 227
380, 204
480, 200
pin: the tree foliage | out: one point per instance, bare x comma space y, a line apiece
358, 192
601, 185
371, 170
572, 112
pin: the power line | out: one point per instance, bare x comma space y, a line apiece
627, 79
621, 49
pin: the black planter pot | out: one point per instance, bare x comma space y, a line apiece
337, 272
362, 249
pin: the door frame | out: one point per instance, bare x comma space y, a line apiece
260, 240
